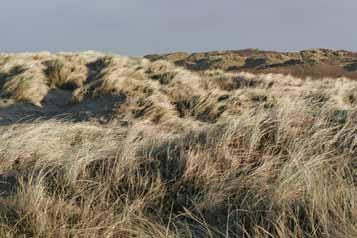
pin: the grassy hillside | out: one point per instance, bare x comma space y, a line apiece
95, 145
315, 63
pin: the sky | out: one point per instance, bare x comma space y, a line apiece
139, 27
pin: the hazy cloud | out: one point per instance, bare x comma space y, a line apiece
138, 27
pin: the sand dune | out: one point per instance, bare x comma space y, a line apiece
97, 145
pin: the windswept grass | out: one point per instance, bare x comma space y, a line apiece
182, 155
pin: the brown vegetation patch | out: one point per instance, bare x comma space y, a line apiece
315, 63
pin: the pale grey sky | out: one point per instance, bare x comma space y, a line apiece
138, 27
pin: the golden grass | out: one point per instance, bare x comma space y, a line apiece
210, 155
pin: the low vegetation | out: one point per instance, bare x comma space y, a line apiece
314, 63
95, 145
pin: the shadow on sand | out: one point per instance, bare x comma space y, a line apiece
56, 105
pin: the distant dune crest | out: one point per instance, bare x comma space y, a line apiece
315, 63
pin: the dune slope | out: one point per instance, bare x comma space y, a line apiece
96, 145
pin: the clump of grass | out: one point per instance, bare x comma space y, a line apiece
66, 73
229, 81
25, 83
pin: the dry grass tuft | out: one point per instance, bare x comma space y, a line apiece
66, 73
